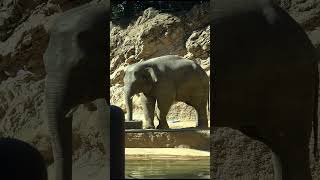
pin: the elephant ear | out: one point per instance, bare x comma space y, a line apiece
150, 74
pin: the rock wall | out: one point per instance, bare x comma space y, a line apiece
154, 34
24, 36
24, 26
235, 156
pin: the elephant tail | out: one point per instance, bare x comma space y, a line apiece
315, 118
157, 113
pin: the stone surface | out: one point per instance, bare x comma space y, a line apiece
190, 138
133, 124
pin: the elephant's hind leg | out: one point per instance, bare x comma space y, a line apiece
201, 112
148, 105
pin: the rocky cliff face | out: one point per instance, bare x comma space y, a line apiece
154, 34
24, 36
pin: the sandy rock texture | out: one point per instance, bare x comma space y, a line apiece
155, 34
235, 156
23, 116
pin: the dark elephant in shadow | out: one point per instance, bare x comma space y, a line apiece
265, 79
76, 65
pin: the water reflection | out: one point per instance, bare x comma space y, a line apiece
192, 168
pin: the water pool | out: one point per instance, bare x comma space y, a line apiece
168, 168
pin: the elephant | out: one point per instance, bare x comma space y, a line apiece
164, 80
20, 160
118, 143
265, 78
76, 73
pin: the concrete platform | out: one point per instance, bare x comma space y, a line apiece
191, 138
204, 131
166, 152
133, 124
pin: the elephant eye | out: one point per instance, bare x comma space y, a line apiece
144, 77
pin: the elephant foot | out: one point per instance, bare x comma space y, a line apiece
149, 127
203, 126
163, 126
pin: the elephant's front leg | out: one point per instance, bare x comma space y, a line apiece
148, 105
164, 105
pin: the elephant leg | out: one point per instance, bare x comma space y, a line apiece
117, 150
103, 124
201, 112
164, 107
148, 105
297, 163
199, 103
291, 162
277, 167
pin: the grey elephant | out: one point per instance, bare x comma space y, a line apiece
76, 64
164, 80
20, 160
266, 81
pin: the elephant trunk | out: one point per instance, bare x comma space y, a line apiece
128, 102
60, 128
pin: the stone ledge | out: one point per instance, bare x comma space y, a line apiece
170, 138
133, 125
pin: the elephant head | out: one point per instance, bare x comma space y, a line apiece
138, 79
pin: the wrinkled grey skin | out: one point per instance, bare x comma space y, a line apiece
164, 80
266, 81
76, 64
19, 160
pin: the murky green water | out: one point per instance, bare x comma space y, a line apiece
196, 168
